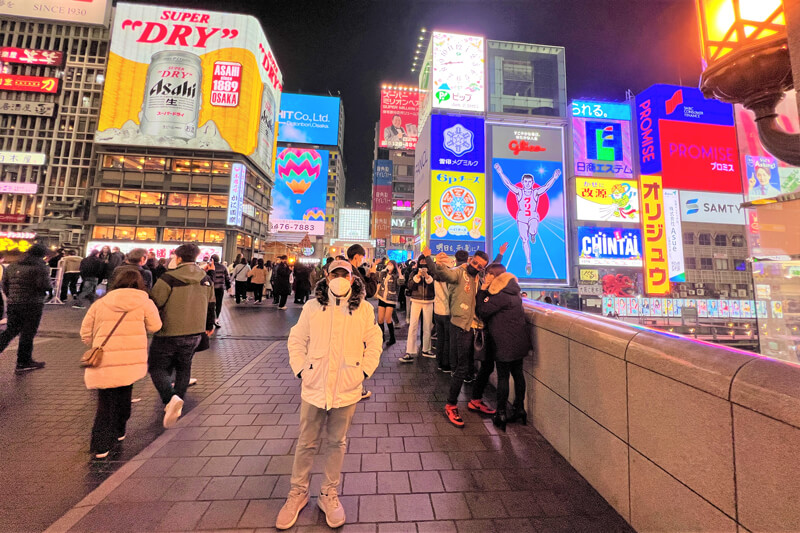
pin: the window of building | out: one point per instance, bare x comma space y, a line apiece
218, 201
721, 264
706, 263
688, 238
721, 240
740, 265
737, 241
182, 165
154, 163
129, 197
176, 199
194, 235
145, 234
173, 234
220, 167
113, 161
124, 233
691, 263
151, 198
704, 239
198, 200
201, 166
133, 163
107, 196
103, 232
214, 235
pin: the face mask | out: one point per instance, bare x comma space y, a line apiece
472, 271
339, 288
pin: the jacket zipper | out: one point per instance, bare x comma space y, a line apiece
339, 374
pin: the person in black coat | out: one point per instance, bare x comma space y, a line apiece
302, 284
281, 285
499, 305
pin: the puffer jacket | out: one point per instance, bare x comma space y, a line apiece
334, 346
280, 283
441, 302
185, 299
258, 276
26, 281
388, 287
92, 267
500, 307
462, 288
125, 354
221, 278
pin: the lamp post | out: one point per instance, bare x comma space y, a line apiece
746, 59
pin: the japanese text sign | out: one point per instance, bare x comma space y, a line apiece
28, 56
610, 246
607, 200
398, 122
236, 194
458, 208
458, 72
602, 148
28, 84
457, 143
656, 271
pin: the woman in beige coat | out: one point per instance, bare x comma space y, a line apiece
124, 355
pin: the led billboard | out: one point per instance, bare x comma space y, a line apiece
398, 122
186, 78
602, 148
674, 230
607, 110
382, 170
529, 201
610, 246
714, 208
457, 143
300, 192
458, 72
309, 119
422, 167
607, 200
458, 211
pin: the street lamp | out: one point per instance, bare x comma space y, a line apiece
746, 54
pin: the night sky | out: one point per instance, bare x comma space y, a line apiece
351, 47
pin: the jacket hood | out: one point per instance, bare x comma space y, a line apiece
505, 282
357, 293
188, 272
125, 299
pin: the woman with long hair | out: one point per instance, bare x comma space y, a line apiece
499, 305
239, 274
119, 322
268, 282
258, 277
388, 292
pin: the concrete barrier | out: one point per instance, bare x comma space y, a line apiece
676, 434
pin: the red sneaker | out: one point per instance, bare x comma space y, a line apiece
451, 411
479, 406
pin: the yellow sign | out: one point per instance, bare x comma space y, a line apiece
589, 275
656, 277
458, 209
191, 79
607, 200
423, 224
10, 245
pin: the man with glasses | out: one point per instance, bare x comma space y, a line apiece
464, 282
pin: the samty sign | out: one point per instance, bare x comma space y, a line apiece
184, 78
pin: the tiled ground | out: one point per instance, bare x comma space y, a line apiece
227, 464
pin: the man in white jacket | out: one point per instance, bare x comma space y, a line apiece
334, 346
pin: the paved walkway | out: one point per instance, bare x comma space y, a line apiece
226, 464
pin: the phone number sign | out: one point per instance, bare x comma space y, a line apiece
311, 227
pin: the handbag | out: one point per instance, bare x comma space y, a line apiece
205, 343
479, 344
94, 356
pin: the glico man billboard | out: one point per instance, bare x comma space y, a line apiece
688, 140
185, 78
601, 141
309, 119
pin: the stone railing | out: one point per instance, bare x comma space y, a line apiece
677, 435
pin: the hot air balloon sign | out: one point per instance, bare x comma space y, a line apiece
315, 213
299, 168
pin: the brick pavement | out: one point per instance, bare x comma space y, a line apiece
226, 465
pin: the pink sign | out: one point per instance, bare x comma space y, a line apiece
18, 188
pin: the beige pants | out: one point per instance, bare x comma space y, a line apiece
311, 421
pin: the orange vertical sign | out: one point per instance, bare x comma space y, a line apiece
656, 266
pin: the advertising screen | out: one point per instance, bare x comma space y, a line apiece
715, 208
607, 110
28, 56
300, 192
28, 84
75, 11
425, 88
529, 202
458, 211
236, 194
309, 119
161, 250
610, 246
656, 272
674, 230
458, 72
382, 172
398, 123
382, 198
602, 148
763, 177
607, 200
185, 78
422, 167
457, 143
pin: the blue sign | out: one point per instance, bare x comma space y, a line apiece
309, 119
457, 143
451, 247
675, 103
610, 246
610, 110
398, 256
382, 172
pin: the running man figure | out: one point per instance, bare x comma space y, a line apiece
527, 204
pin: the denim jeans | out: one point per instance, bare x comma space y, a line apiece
167, 354
88, 288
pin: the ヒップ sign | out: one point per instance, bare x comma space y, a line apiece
458, 72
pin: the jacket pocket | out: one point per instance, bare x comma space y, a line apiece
313, 374
352, 373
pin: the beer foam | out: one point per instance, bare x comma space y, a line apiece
207, 138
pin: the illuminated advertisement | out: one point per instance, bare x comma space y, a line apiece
185, 78
425, 88
457, 143
688, 140
607, 200
458, 72
300, 192
10, 218
34, 109
763, 177
602, 148
162, 250
674, 307
529, 202
22, 158
77, 11
422, 167
605, 110
398, 122
674, 230
610, 246
382, 170
715, 208
423, 227
656, 272
236, 194
28, 84
28, 56
458, 211
309, 119
7, 187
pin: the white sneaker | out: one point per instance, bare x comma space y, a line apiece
101, 455
332, 507
173, 411
282, 308
122, 438
288, 514
192, 381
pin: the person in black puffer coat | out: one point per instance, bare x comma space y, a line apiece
281, 285
25, 284
499, 305
302, 284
